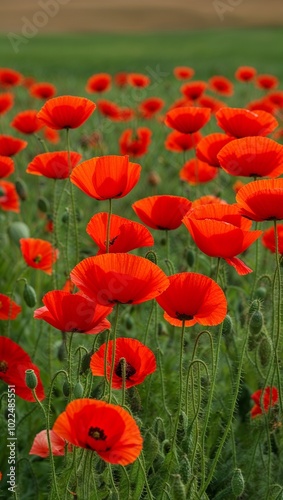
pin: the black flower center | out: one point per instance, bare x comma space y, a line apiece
130, 370
97, 434
183, 316
3, 366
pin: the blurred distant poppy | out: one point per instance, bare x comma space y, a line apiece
27, 122
150, 106
262, 105
163, 212
267, 82
40, 444
181, 103
14, 361
42, 90
274, 99
6, 102
209, 147
9, 77
10, 146
245, 73
38, 254
207, 199
72, 312
252, 157
51, 135
139, 362
237, 186
28, 81
178, 142
108, 108
196, 171
56, 165
126, 114
119, 278
264, 399
219, 231
101, 82
268, 238
239, 122
193, 298
138, 80
183, 72
8, 308
121, 79
66, 112
7, 166
193, 90
207, 101
135, 143
9, 198
187, 120
221, 85
261, 200
125, 235
106, 177
107, 429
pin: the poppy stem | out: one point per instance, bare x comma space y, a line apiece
108, 226
256, 262
113, 352
73, 204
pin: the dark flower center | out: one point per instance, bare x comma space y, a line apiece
3, 366
97, 433
37, 258
130, 370
183, 316
111, 242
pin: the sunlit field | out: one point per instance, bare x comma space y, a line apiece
141, 199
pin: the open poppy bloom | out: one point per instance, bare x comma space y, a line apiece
106, 177
207, 101
66, 112
221, 85
139, 362
9, 77
56, 165
119, 278
108, 108
42, 90
14, 362
27, 122
187, 120
40, 445
220, 231
183, 72
245, 73
9, 198
10, 146
240, 122
125, 235
107, 429
7, 166
262, 104
267, 82
193, 298
252, 157
38, 254
138, 80
6, 102
209, 147
197, 172
135, 143
193, 90
261, 200
163, 212
268, 238
72, 312
274, 98
101, 82
264, 402
8, 308
150, 106
178, 142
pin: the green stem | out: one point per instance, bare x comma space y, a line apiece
73, 203
108, 226
113, 352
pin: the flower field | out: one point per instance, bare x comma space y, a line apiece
141, 283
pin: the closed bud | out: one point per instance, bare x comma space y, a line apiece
78, 390
255, 306
86, 362
166, 446
265, 350
237, 483
185, 469
256, 323
190, 258
43, 205
66, 388
29, 295
129, 323
62, 352
261, 293
31, 379
21, 189
178, 488
151, 256
227, 325
65, 216
17, 230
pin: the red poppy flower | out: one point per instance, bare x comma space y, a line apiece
8, 308
193, 298
209, 147
7, 166
178, 142
207, 199
140, 362
126, 114
107, 429
27, 122
242, 122
220, 231
262, 105
125, 235
66, 112
6, 102
119, 278
193, 90
221, 85
181, 103
150, 106
10, 146
197, 172
187, 120
42, 90
207, 101
9, 77
14, 362
40, 444
268, 238
108, 109
261, 200
72, 312
101, 82
121, 79
252, 157
106, 177
183, 72
28, 81
135, 143
138, 80
263, 403
245, 73
163, 212
51, 135
275, 99
9, 199
267, 82
56, 165
237, 186
38, 254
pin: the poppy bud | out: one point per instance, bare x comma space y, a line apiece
158, 427
18, 230
78, 390
261, 293
151, 256
43, 205
29, 295
129, 323
66, 388
31, 379
166, 446
182, 426
256, 323
255, 306
227, 326
86, 362
190, 258
62, 352
237, 483
178, 489
152, 445
185, 469
21, 189
265, 349
65, 216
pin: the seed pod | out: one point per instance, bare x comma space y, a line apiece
31, 379
265, 349
190, 258
21, 189
43, 205
29, 295
17, 230
256, 323
178, 488
78, 390
237, 483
